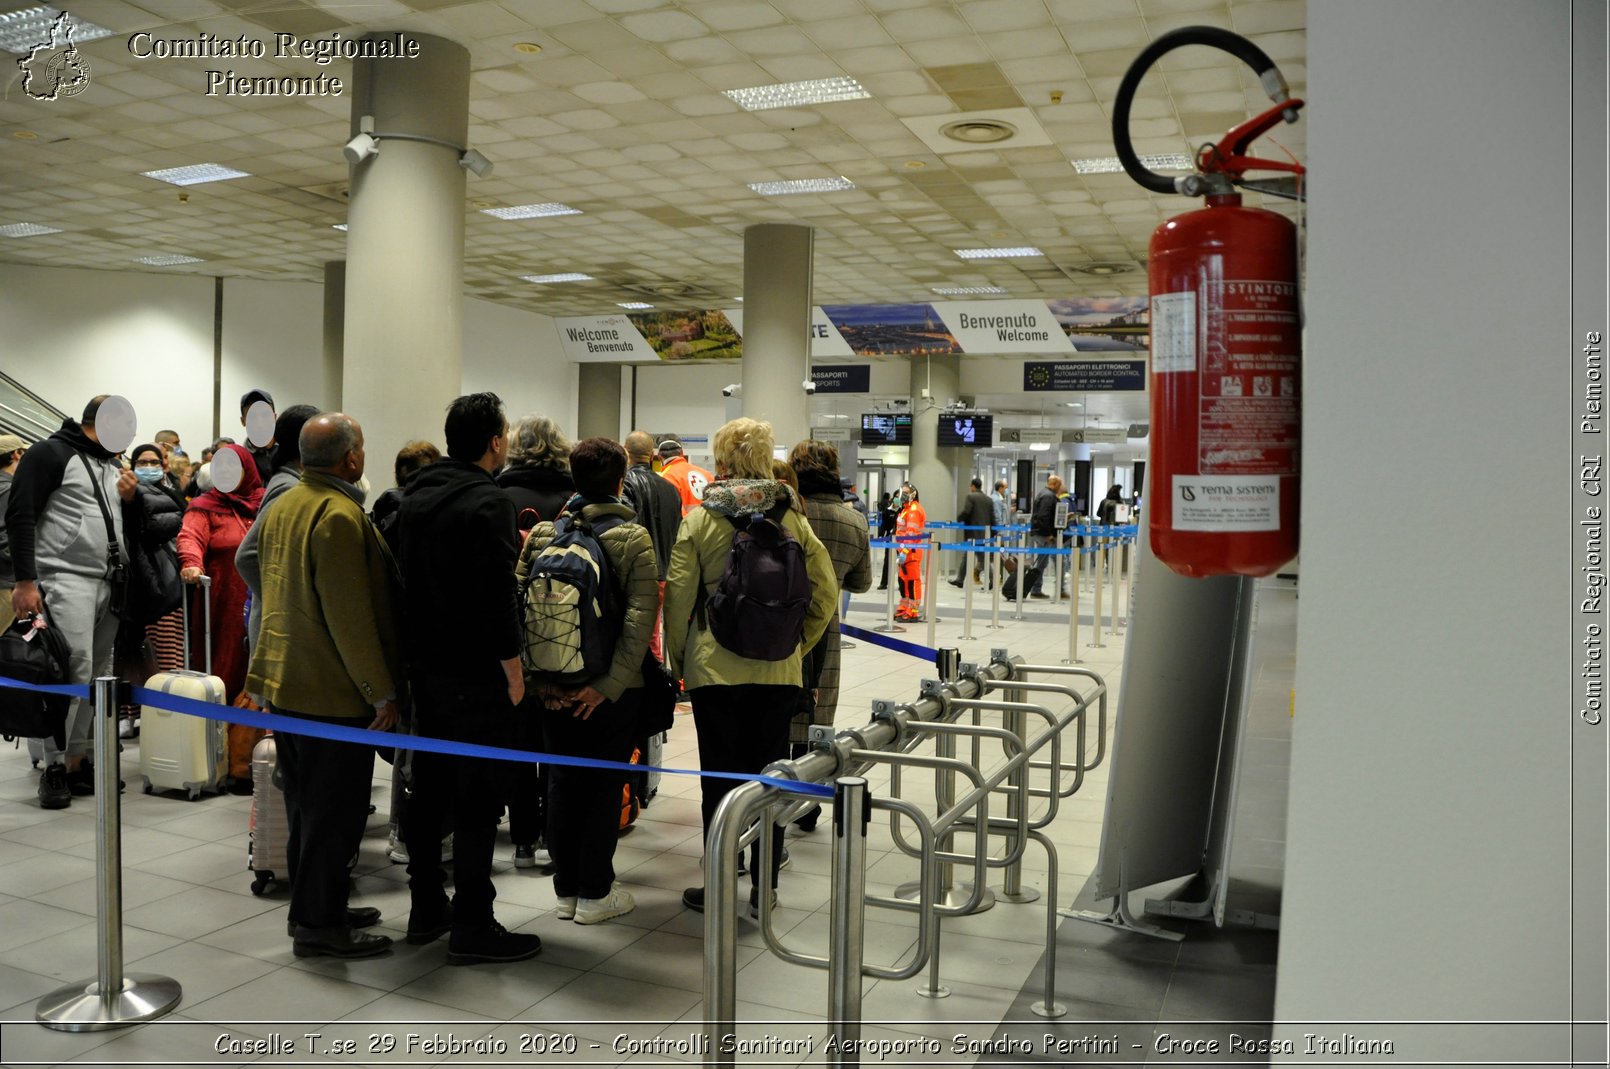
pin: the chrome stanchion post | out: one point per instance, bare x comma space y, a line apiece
1022, 571
894, 585
1095, 619
114, 998
1114, 565
847, 919
1073, 614
967, 597
930, 600
1056, 571
995, 585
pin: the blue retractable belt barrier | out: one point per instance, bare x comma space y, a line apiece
67, 690
293, 725
885, 641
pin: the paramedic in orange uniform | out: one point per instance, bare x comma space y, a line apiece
911, 524
688, 480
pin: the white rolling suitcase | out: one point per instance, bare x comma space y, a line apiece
179, 752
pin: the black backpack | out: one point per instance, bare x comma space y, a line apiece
569, 604
39, 657
758, 608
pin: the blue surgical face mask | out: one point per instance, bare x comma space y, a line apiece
148, 475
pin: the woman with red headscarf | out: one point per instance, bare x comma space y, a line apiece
213, 527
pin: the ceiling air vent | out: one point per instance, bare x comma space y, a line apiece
979, 131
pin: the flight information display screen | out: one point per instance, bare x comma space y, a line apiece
886, 428
967, 429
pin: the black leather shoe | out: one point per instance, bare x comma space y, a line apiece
338, 943
955, 583
807, 822
490, 943
426, 924
693, 898
357, 917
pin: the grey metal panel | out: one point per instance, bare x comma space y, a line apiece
1178, 660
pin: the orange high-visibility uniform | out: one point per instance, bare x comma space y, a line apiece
911, 523
689, 481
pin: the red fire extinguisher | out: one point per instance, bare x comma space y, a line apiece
1225, 343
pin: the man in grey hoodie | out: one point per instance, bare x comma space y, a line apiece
64, 520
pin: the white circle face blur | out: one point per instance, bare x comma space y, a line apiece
259, 424
226, 471
115, 424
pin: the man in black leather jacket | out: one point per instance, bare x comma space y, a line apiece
658, 507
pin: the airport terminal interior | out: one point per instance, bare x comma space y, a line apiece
900, 226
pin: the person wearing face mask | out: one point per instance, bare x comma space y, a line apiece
329, 652
456, 543
64, 520
154, 620
214, 527
908, 529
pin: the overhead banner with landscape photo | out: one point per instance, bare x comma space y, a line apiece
1079, 328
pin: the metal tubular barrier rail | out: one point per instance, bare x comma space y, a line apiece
751, 810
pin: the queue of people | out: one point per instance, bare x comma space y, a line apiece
454, 617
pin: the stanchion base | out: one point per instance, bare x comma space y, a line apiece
1073, 660
846, 644
81, 1008
1022, 894
1095, 645
888, 629
994, 627
933, 992
1056, 1009
956, 896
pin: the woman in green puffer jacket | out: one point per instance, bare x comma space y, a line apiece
741, 706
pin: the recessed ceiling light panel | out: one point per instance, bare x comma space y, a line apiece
23, 31
568, 276
168, 260
634, 306
966, 291
998, 254
338, 226
1172, 161
797, 94
531, 211
802, 185
195, 174
26, 230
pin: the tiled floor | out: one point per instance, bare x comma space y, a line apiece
189, 913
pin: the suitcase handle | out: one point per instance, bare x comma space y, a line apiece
206, 623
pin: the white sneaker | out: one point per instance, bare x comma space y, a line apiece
617, 903
567, 908
397, 851
541, 856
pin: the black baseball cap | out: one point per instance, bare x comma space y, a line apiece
250, 396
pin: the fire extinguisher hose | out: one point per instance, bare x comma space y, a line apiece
1273, 83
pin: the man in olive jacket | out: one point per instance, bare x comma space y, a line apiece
328, 652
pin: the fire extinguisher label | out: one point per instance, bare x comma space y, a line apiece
1226, 503
1248, 420
1173, 332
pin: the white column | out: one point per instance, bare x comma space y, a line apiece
777, 323
933, 470
335, 318
404, 333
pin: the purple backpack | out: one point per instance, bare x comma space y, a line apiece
758, 608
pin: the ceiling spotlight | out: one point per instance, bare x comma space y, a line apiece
475, 163
360, 148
